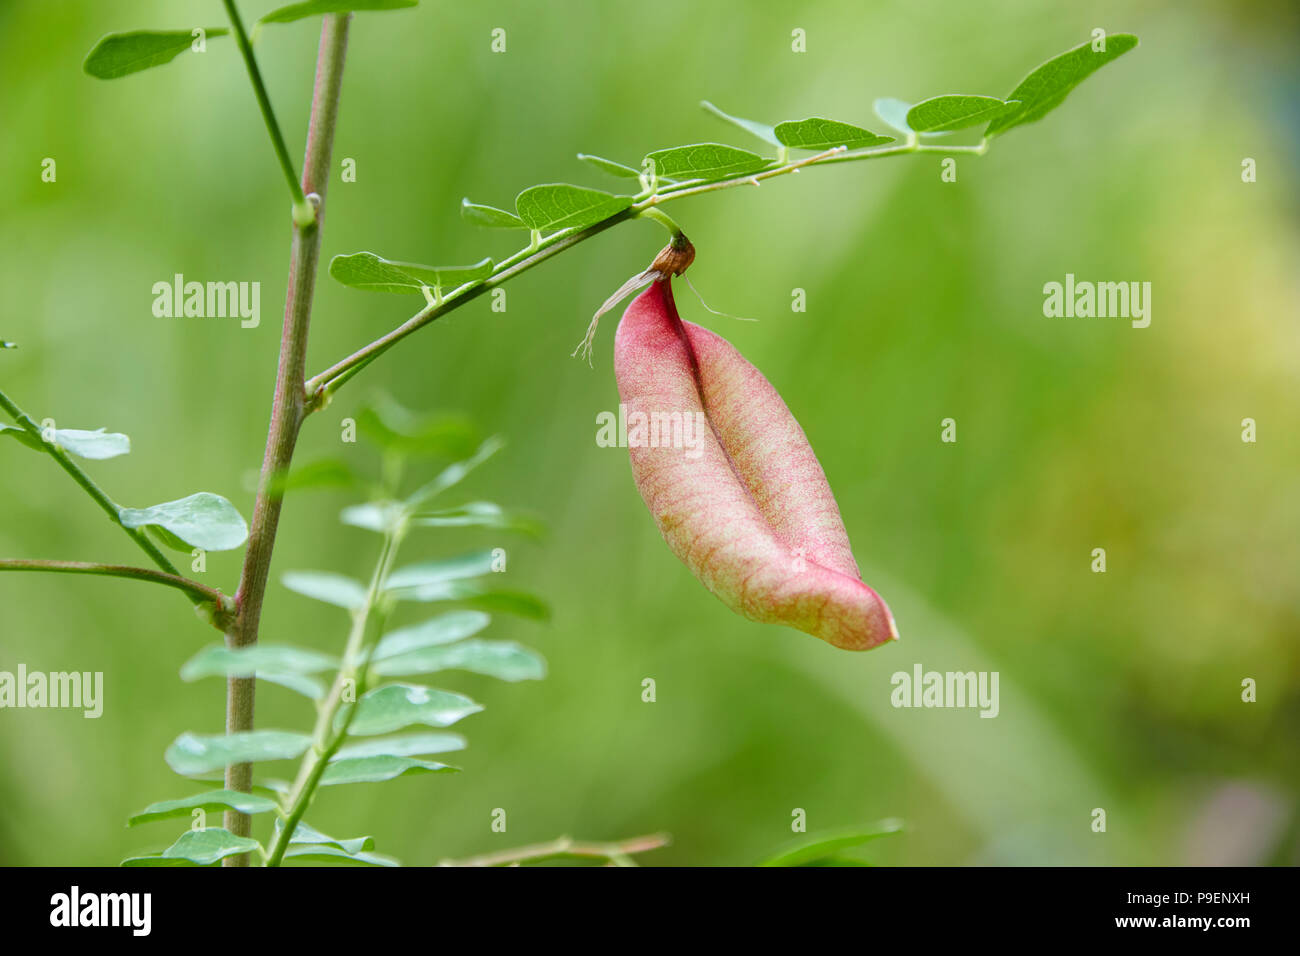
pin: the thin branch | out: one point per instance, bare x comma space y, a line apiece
618, 853
287, 410
194, 589
332, 378
320, 387
303, 211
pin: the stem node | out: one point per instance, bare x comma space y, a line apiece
304, 213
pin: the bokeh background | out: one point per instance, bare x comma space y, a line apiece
1119, 690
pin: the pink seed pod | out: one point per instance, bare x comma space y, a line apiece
744, 503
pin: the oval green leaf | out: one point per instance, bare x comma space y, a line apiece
194, 754
705, 161
365, 270
220, 661
377, 769
1047, 87
558, 206
336, 589
446, 569
200, 848
305, 833
215, 801
395, 706
95, 446
372, 273
119, 54
942, 114
822, 134
443, 629
207, 846
285, 666
504, 660
203, 520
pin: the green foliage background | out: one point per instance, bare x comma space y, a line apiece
1119, 691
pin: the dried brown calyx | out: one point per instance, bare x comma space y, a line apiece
673, 259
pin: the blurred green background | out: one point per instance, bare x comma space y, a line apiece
1118, 690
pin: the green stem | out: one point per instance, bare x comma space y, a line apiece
110, 507
367, 626
287, 408
303, 212
665, 220
321, 387
200, 592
